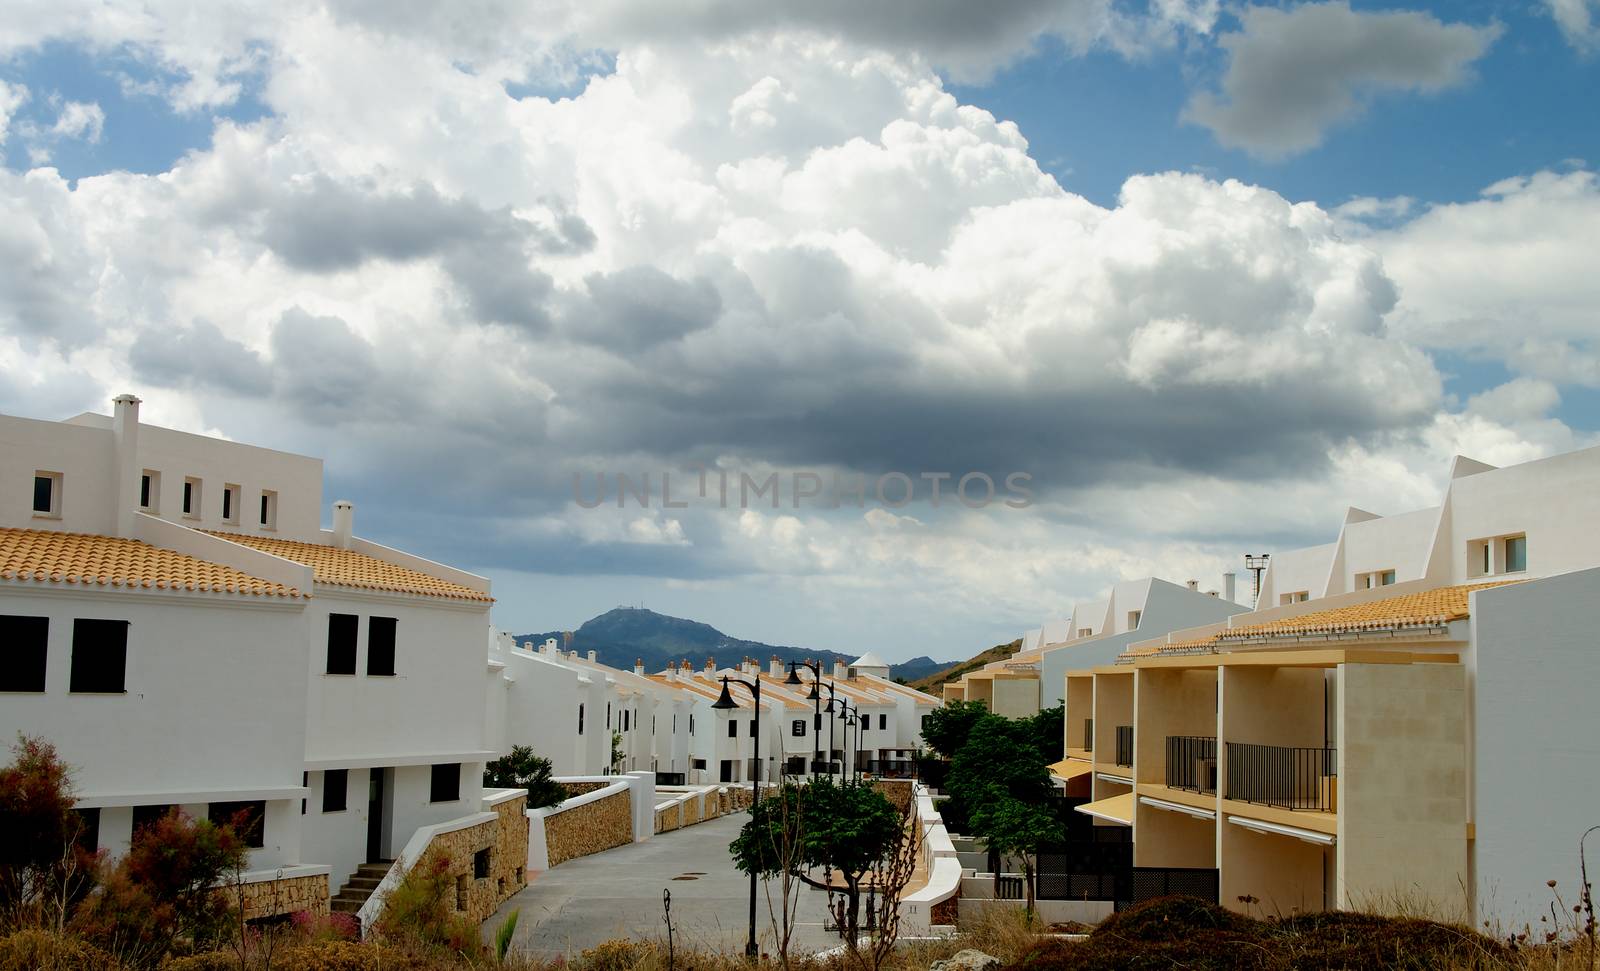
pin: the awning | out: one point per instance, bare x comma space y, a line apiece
1117, 809
1178, 807
1069, 769
1277, 829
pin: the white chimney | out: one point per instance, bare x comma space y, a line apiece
1228, 580
841, 670
638, 666
711, 664
126, 475
775, 667
344, 523
591, 657
1193, 585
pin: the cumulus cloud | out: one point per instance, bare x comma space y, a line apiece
80, 120
1579, 21
1292, 74
12, 97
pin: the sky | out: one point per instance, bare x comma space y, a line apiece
1180, 279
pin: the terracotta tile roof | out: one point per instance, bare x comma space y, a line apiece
347, 568
1426, 608
47, 556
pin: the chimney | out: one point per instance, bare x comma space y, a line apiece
775, 667
638, 666
591, 656
125, 477
711, 665
1228, 586
1193, 585
841, 670
344, 523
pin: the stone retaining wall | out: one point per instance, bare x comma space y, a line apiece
507, 844
899, 792
290, 895
582, 788
590, 828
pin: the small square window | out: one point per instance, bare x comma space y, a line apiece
445, 783
752, 728
883, 722
269, 509
150, 491
1386, 578
480, 864
246, 818
47, 495
342, 643
1516, 554
380, 646
733, 728
230, 504
99, 656
797, 728
191, 497
22, 660
335, 790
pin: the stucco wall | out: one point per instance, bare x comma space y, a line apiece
1402, 788
1535, 744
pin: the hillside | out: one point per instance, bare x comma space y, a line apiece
622, 634
931, 682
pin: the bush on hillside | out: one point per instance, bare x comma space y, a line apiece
39, 950
421, 910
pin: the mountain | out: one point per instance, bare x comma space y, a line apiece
622, 634
931, 682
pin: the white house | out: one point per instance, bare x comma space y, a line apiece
187, 634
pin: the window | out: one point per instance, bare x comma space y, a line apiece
99, 656
335, 790
342, 643
269, 509
699, 763
883, 722
150, 491
816, 722
924, 721
246, 818
1133, 619
445, 785
866, 722
1085, 631
47, 494
733, 728
652, 724
191, 497
1516, 554
230, 504
380, 646
480, 864
797, 728
1299, 596
625, 721
691, 727
1386, 578
22, 661
305, 782
580, 718
608, 714
144, 816
88, 829
752, 728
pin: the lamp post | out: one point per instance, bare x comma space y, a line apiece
816, 703
724, 703
848, 714
832, 694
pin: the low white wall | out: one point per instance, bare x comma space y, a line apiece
944, 871
539, 849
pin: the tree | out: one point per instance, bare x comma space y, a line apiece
847, 828
1012, 827
616, 752
524, 770
1048, 728
999, 754
41, 866
945, 730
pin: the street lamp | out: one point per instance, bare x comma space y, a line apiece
816, 703
850, 715
724, 703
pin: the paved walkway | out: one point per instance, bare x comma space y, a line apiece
618, 894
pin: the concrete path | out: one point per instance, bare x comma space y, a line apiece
618, 894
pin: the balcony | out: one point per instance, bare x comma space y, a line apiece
1125, 745
1287, 778
1192, 763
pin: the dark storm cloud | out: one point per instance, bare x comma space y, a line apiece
201, 356
642, 305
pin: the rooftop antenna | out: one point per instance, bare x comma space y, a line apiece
1256, 563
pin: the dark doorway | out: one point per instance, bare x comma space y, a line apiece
374, 815
727, 770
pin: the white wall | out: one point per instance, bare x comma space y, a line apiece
1535, 743
83, 457
337, 840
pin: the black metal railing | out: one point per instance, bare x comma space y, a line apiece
1088, 734
1150, 882
1192, 763
1125, 745
1008, 886
890, 768
1289, 778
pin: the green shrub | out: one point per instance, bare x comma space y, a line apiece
38, 950
421, 909
524, 770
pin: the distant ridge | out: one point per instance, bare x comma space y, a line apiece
622, 634
931, 682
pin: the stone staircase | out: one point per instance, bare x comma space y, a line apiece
359, 887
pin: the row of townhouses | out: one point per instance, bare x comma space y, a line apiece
1405, 719
177, 621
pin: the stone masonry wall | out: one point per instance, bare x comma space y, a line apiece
286, 896
506, 839
582, 788
590, 828
899, 792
